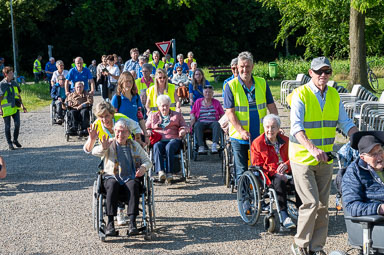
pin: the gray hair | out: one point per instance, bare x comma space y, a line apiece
51, 58
163, 99
149, 67
189, 53
180, 55
156, 53
59, 62
122, 123
245, 55
234, 62
194, 64
272, 117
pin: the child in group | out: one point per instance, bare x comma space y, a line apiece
58, 96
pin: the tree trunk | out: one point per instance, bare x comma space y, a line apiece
358, 66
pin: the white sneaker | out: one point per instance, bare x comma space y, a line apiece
161, 175
201, 149
214, 148
288, 223
121, 219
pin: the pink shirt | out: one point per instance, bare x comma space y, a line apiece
177, 123
216, 104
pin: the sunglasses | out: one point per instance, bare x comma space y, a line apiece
320, 72
161, 78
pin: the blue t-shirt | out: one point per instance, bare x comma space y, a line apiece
226, 81
74, 76
254, 122
184, 66
128, 107
51, 68
196, 94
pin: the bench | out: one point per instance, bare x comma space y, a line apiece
220, 72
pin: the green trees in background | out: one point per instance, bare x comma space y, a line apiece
216, 31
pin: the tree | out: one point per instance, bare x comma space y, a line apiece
328, 28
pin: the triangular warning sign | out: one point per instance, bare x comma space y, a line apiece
164, 46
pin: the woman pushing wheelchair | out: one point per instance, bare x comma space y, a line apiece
125, 162
270, 152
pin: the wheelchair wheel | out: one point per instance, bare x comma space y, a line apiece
101, 228
249, 198
227, 174
271, 223
52, 113
151, 203
94, 205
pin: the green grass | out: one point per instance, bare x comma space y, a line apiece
35, 96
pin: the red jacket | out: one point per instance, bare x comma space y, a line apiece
265, 156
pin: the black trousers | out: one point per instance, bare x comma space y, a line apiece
281, 187
7, 127
128, 192
79, 116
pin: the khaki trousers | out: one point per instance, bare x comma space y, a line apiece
313, 184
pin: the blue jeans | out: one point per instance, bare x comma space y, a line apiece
240, 155
167, 149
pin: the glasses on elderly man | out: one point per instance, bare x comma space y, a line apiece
320, 72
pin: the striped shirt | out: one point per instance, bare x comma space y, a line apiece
207, 113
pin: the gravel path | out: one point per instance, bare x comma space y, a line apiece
45, 204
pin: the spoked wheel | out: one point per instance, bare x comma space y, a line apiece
223, 166
94, 205
151, 204
373, 81
101, 228
271, 223
248, 198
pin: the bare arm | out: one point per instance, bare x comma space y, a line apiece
3, 171
352, 131
230, 112
66, 87
92, 86
178, 104
272, 108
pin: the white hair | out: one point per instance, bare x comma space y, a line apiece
122, 123
194, 64
234, 62
245, 55
272, 117
163, 99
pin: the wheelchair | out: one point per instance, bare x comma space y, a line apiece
182, 162
207, 136
52, 113
253, 194
92, 118
146, 223
227, 164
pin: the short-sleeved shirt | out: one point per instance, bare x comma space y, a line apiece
114, 70
184, 66
128, 107
196, 94
226, 81
51, 68
254, 121
131, 65
74, 76
56, 74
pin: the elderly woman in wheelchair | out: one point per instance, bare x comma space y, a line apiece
269, 152
170, 127
205, 114
125, 162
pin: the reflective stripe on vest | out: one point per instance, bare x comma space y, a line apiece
319, 125
153, 98
37, 68
242, 107
7, 108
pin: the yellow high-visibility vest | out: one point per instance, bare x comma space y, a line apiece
242, 106
319, 125
153, 97
6, 106
141, 86
36, 66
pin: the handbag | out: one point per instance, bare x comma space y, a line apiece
155, 137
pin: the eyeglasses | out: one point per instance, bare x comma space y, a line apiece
320, 72
179, 70
376, 154
161, 78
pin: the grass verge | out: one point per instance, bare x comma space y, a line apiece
35, 96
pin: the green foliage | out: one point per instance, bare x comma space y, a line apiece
35, 96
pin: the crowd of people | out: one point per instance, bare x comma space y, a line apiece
143, 97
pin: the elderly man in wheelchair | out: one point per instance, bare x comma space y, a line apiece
78, 104
205, 115
125, 162
363, 193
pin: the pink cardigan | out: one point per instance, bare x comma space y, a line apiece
177, 123
216, 104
